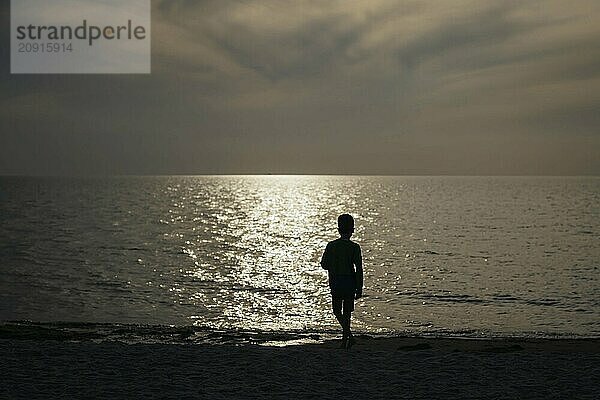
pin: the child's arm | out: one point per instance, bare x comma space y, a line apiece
359, 273
325, 259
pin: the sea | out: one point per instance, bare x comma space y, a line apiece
443, 255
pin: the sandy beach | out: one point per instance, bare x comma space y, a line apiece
306, 366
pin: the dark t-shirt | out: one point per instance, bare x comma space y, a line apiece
342, 259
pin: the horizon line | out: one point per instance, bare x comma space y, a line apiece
101, 175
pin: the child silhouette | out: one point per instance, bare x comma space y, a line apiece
343, 261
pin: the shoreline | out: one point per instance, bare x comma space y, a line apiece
197, 335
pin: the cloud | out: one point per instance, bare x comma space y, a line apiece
296, 86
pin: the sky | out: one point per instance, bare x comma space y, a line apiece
423, 87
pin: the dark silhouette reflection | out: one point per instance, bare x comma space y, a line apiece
343, 261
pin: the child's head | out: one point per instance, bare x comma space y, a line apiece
346, 225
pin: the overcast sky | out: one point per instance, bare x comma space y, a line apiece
328, 87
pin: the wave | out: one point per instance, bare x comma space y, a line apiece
191, 334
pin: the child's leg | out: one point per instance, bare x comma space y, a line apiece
347, 316
337, 311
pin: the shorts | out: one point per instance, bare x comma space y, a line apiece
344, 306
343, 290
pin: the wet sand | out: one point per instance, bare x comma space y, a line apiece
401, 367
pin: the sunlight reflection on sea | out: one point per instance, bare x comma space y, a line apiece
442, 254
